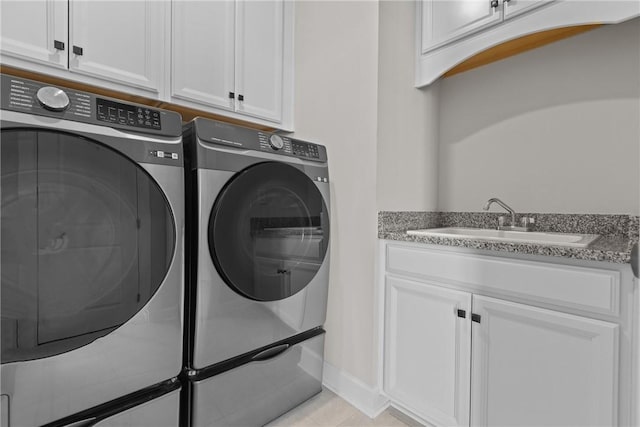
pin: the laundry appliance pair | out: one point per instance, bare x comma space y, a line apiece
258, 227
93, 265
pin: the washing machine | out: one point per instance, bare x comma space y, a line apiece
258, 209
92, 259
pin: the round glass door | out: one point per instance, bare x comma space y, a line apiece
269, 231
87, 238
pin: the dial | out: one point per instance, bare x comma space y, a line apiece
276, 142
52, 98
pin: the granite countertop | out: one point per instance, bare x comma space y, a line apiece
618, 233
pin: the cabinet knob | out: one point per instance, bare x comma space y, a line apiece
475, 317
462, 313
58, 45
494, 4
240, 97
232, 95
77, 50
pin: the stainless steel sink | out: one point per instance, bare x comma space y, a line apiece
543, 238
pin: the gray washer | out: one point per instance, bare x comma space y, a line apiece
92, 251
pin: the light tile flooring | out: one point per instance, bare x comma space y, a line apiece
328, 410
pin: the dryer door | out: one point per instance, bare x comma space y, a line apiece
269, 231
87, 239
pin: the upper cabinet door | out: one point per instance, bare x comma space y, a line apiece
515, 7
121, 41
35, 30
259, 58
446, 20
202, 59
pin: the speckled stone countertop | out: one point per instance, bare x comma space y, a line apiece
618, 233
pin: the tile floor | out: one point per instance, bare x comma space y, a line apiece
328, 410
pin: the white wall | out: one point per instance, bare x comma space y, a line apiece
407, 118
554, 129
336, 60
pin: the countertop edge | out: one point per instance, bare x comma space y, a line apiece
605, 249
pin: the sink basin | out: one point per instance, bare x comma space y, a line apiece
542, 238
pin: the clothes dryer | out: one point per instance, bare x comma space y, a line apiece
259, 271
92, 218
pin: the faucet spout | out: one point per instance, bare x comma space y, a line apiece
504, 205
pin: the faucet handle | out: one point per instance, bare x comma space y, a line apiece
527, 222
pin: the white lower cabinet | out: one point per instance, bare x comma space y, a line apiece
428, 350
455, 357
536, 367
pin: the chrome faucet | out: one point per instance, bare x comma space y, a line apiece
526, 222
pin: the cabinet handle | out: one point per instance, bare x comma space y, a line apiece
475, 317
240, 97
232, 95
462, 313
494, 4
77, 50
58, 45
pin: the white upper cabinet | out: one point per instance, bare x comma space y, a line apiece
35, 31
120, 41
203, 52
234, 56
450, 31
259, 58
115, 44
511, 8
228, 57
446, 21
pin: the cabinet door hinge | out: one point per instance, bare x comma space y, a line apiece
475, 317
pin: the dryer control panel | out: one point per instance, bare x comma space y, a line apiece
250, 139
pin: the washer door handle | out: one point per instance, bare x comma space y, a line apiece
270, 353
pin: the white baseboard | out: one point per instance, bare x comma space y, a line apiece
367, 399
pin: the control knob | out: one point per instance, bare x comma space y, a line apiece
52, 98
276, 142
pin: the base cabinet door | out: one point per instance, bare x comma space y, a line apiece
532, 366
427, 350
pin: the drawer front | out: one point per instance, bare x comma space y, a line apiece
581, 288
257, 392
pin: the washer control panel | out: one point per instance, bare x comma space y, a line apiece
37, 98
127, 114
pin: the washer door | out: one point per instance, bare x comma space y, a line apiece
269, 231
87, 239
